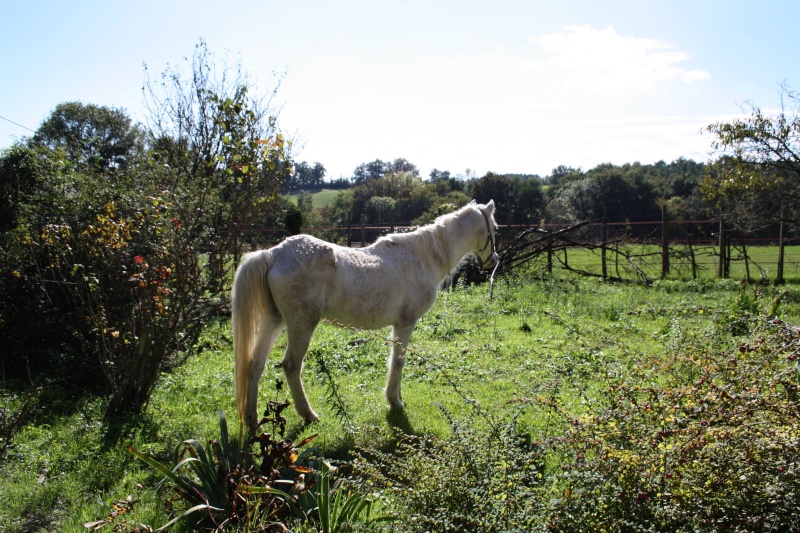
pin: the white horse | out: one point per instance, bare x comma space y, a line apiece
393, 282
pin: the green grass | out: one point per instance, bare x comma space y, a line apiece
761, 262
565, 338
320, 198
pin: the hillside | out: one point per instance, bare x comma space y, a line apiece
318, 199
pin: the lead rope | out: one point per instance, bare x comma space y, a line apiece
489, 240
491, 279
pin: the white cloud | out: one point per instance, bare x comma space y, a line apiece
605, 61
570, 97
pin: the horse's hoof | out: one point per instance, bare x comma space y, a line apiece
311, 418
397, 405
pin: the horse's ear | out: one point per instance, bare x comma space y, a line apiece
490, 207
472, 202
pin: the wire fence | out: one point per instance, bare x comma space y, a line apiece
647, 250
641, 250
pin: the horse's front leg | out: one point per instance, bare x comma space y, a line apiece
296, 348
397, 360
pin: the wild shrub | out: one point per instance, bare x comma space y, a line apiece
708, 440
111, 278
109, 267
260, 483
227, 484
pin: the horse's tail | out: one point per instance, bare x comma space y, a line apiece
249, 307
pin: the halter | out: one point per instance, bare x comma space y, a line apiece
489, 241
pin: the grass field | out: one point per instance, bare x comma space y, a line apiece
565, 340
320, 198
761, 263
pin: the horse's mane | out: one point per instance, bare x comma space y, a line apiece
429, 241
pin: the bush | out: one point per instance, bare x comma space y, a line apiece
709, 440
228, 483
110, 272
108, 278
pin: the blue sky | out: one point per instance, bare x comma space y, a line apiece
488, 86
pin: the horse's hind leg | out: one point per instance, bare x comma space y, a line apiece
397, 360
266, 340
299, 338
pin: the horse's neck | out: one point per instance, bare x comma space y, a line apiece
460, 243
456, 243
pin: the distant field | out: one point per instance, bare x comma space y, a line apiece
319, 199
762, 262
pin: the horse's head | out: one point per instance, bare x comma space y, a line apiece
486, 250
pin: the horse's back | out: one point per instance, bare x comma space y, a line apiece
301, 268
365, 287
302, 259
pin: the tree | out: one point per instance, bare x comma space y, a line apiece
36, 330
126, 271
306, 176
96, 138
561, 172
761, 163
521, 199
529, 201
744, 196
495, 187
233, 149
492, 186
369, 171
379, 209
318, 172
301, 176
21, 170
401, 165
436, 175
609, 191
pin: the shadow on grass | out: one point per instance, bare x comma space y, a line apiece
120, 429
355, 438
296, 429
397, 419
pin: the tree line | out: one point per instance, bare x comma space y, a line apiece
394, 192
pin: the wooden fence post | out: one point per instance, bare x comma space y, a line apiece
728, 247
603, 239
363, 235
781, 244
350, 229
721, 266
746, 261
664, 242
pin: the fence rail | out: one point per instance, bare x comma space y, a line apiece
641, 250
